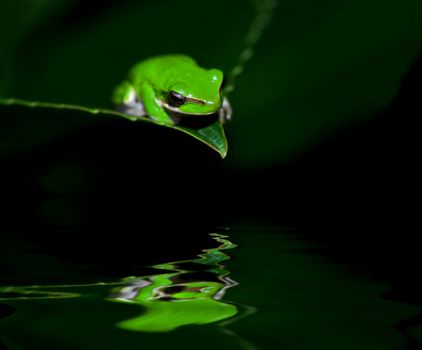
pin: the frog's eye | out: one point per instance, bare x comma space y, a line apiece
175, 99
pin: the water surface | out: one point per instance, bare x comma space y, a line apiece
253, 287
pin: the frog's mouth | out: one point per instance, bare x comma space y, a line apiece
185, 119
190, 120
180, 113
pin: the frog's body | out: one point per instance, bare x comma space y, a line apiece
169, 87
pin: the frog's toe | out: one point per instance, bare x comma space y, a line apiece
225, 112
224, 116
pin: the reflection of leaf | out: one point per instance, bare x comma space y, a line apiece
212, 135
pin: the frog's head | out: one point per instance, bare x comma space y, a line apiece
196, 94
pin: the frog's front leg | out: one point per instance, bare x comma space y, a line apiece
152, 108
126, 100
225, 112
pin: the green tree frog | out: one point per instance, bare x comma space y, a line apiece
169, 87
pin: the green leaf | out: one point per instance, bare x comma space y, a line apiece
212, 135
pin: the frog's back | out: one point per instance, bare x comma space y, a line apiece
157, 67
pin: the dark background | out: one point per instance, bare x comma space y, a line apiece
325, 134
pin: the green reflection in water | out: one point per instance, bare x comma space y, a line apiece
187, 292
42, 292
190, 294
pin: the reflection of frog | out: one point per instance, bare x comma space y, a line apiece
169, 305
172, 84
191, 295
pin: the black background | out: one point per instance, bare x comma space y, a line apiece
358, 192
